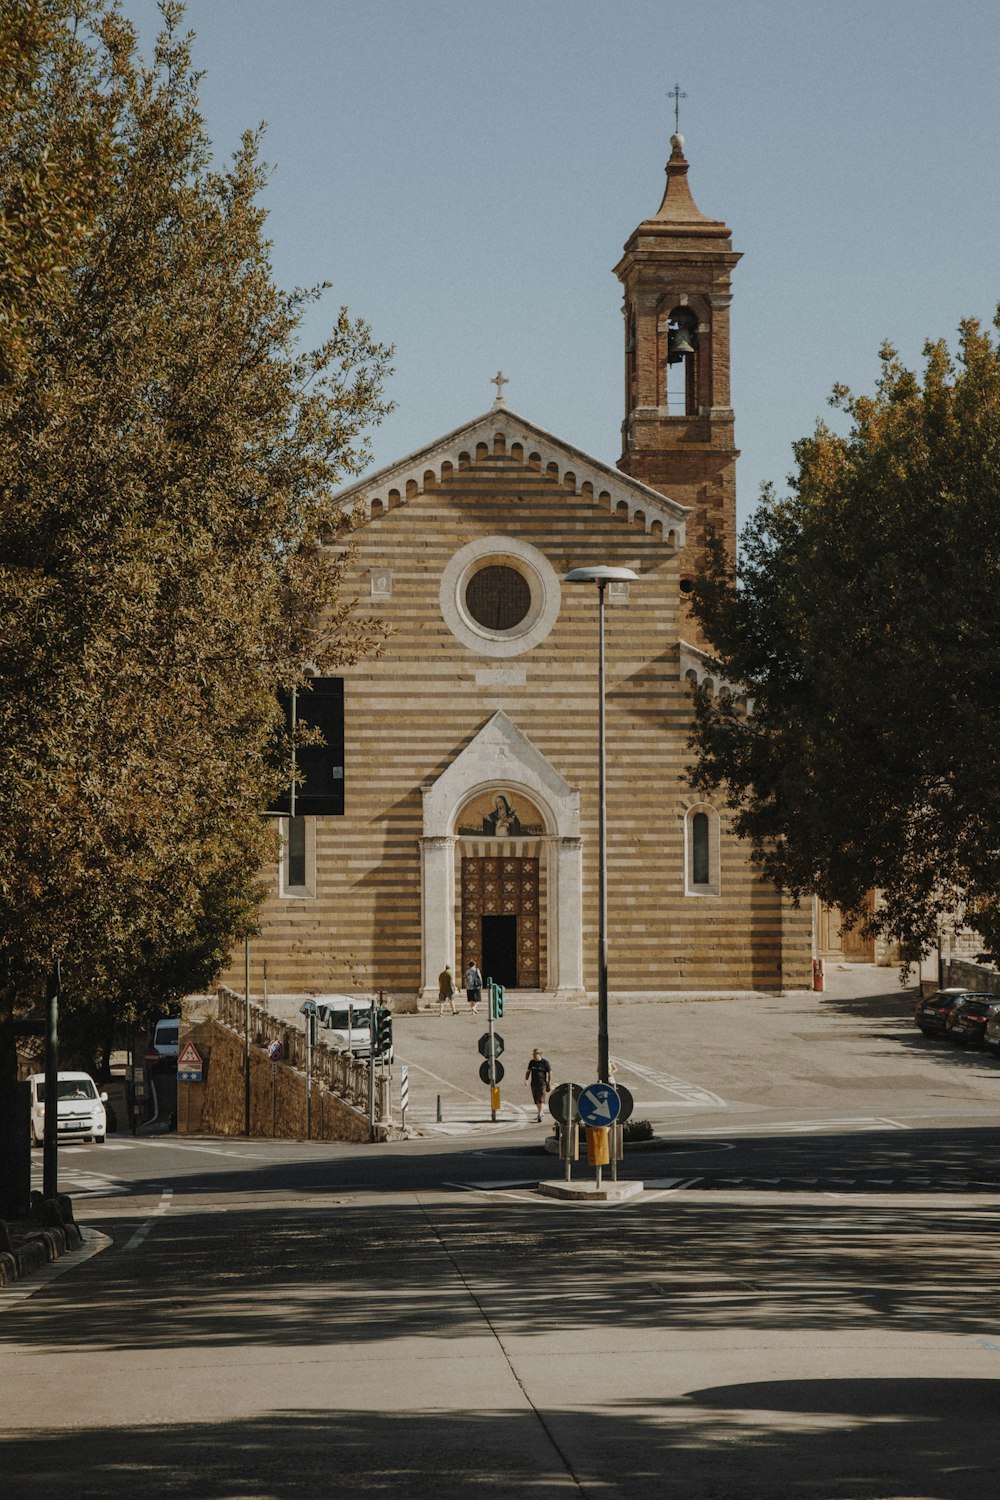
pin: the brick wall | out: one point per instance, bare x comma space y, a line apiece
409, 714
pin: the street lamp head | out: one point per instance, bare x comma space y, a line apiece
600, 575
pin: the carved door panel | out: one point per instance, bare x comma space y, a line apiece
502, 885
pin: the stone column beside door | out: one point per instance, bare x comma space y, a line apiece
437, 869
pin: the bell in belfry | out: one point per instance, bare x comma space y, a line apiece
678, 344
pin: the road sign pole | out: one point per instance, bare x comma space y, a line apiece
493, 1058
600, 1106
567, 1136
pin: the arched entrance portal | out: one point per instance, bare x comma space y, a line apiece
500, 844
501, 867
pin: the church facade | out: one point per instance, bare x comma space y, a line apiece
471, 817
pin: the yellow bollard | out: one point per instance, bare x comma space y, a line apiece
598, 1154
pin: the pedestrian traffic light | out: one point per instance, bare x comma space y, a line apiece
383, 1026
496, 1002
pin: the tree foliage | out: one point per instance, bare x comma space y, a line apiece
865, 629
169, 552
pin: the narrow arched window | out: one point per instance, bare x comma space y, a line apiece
701, 851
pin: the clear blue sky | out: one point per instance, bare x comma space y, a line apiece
466, 173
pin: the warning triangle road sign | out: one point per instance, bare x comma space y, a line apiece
190, 1056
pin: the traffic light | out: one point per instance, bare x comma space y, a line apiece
384, 1031
496, 1002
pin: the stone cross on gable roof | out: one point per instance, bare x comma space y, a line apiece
499, 380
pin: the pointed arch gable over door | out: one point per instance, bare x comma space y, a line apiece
503, 760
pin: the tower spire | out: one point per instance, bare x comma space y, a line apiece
677, 435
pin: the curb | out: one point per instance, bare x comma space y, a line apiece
48, 1243
582, 1192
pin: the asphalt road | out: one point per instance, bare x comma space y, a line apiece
801, 1306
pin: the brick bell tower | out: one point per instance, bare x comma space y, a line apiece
677, 435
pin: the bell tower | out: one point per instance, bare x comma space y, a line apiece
677, 435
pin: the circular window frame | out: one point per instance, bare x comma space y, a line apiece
534, 568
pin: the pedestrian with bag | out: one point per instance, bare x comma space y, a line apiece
539, 1076
473, 986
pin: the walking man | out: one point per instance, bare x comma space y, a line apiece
539, 1075
473, 986
446, 990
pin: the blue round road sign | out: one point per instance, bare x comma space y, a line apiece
599, 1104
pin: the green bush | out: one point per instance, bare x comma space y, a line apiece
637, 1130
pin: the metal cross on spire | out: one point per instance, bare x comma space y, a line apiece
676, 95
499, 380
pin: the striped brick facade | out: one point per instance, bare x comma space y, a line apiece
455, 710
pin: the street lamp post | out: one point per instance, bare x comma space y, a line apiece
602, 577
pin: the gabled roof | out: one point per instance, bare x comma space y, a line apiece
540, 448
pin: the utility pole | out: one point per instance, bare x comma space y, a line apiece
50, 1138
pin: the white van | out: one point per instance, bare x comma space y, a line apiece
345, 1022
165, 1040
80, 1108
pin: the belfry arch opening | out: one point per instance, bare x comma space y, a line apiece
681, 372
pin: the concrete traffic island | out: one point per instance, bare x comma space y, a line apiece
589, 1192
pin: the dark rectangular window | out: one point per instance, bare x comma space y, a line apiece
319, 792
295, 876
699, 849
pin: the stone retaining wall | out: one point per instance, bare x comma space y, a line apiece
277, 1096
959, 971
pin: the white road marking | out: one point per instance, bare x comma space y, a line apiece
107, 1146
94, 1185
664, 1187
860, 1123
238, 1155
686, 1093
144, 1229
452, 1087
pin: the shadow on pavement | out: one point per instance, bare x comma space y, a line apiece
818, 1440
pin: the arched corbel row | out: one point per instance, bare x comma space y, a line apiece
628, 509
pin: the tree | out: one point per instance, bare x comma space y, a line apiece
170, 555
865, 629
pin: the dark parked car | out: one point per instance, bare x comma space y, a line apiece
991, 1037
969, 1018
933, 1013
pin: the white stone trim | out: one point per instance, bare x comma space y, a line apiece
536, 570
713, 887
501, 757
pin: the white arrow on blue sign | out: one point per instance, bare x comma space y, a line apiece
599, 1104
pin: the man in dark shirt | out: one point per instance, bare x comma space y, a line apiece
539, 1075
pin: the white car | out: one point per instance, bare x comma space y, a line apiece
165, 1040
346, 1021
80, 1108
